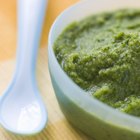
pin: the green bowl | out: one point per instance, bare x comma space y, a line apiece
88, 114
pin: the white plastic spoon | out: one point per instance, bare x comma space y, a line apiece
21, 107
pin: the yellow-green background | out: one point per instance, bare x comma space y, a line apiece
58, 128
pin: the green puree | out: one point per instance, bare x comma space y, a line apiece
102, 55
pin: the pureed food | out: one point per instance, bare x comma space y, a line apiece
101, 53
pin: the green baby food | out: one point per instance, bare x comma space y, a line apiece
102, 55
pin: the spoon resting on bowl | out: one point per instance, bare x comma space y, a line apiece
21, 108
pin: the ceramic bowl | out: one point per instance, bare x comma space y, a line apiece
88, 114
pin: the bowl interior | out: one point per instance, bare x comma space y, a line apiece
86, 8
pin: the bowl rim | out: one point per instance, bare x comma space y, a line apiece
112, 117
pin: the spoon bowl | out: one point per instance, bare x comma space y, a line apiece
20, 114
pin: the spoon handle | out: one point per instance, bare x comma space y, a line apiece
30, 20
